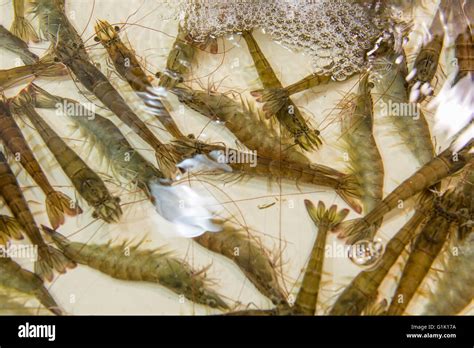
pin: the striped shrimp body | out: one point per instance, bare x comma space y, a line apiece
345, 185
107, 138
89, 185
12, 276
427, 59
46, 67
389, 78
365, 161
21, 27
141, 265
69, 49
363, 289
179, 61
445, 164
128, 67
427, 246
242, 121
454, 286
275, 99
325, 220
48, 257
289, 116
464, 51
57, 203
16, 45
251, 259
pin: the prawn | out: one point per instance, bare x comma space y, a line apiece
427, 246
57, 203
129, 68
21, 27
49, 258
13, 276
445, 164
325, 220
69, 49
127, 262
251, 259
89, 185
16, 45
46, 67
364, 287
125, 161
344, 185
289, 116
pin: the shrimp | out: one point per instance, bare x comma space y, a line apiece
46, 67
243, 121
289, 116
89, 185
16, 45
344, 185
12, 276
9, 229
21, 27
325, 220
251, 259
427, 246
15, 303
127, 262
107, 138
57, 203
247, 125
427, 59
178, 62
388, 74
275, 99
128, 67
445, 164
70, 50
48, 258
365, 161
455, 284
464, 51
364, 287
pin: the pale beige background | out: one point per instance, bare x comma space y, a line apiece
284, 228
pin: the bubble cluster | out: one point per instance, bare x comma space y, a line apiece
336, 34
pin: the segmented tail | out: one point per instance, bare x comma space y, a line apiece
9, 228
167, 158
273, 98
58, 204
50, 259
325, 220
22, 28
350, 192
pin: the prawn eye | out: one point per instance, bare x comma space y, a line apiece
371, 85
117, 28
56, 59
96, 39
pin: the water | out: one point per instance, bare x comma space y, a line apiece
274, 214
